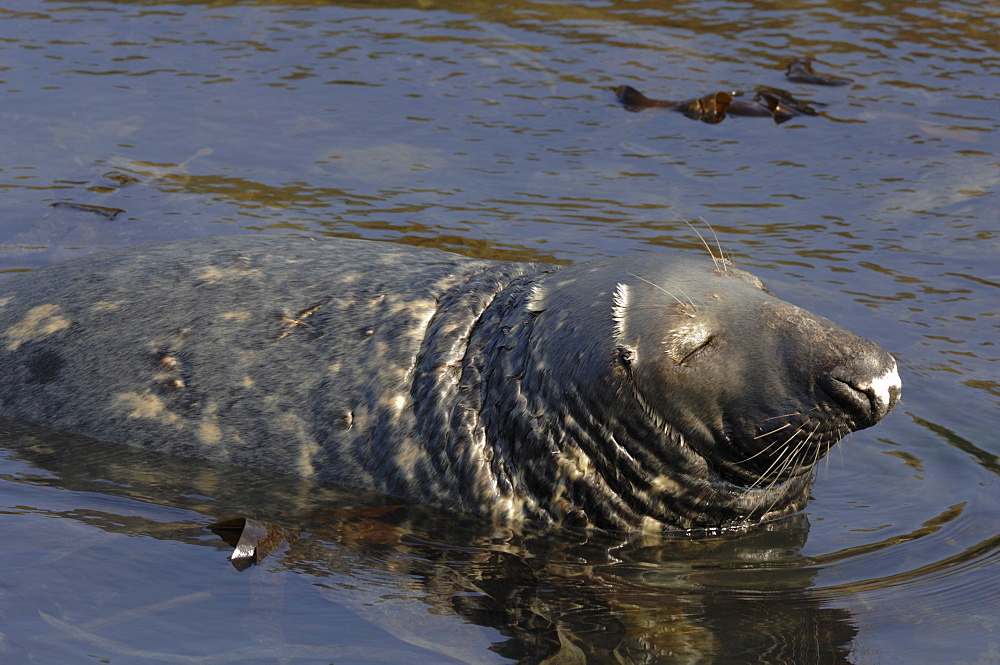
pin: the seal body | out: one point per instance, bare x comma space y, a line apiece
650, 392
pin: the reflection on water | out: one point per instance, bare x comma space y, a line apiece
493, 130
410, 572
498, 122
561, 594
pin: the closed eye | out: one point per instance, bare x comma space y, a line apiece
708, 340
684, 342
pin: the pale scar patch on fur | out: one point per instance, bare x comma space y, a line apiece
210, 274
37, 323
417, 308
209, 431
651, 525
105, 306
237, 317
308, 446
396, 403
148, 405
5, 301
409, 458
666, 485
214, 273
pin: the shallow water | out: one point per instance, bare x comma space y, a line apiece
493, 131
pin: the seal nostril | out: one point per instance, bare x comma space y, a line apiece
870, 397
849, 396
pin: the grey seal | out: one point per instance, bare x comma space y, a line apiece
653, 392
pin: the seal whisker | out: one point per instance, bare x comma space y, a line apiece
817, 447
816, 458
765, 449
800, 447
776, 499
720, 262
786, 462
758, 483
789, 459
842, 432
679, 301
774, 444
658, 310
761, 436
718, 243
781, 462
786, 415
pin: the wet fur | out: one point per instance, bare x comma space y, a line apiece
653, 392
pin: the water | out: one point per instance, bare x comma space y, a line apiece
492, 130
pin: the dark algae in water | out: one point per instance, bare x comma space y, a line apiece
800, 70
764, 101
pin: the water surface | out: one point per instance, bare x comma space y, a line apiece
492, 130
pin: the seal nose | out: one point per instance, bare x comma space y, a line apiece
868, 386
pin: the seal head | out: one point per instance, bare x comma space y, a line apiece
679, 394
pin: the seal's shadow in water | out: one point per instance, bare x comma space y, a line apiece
561, 594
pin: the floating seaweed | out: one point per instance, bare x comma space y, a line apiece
799, 70
764, 101
712, 108
781, 104
103, 211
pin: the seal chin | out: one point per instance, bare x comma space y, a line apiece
777, 456
738, 497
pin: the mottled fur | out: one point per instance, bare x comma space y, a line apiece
587, 395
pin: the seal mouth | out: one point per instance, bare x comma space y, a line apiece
786, 452
852, 398
854, 395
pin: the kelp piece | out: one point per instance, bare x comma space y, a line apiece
799, 70
710, 108
251, 539
781, 104
635, 101
104, 211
